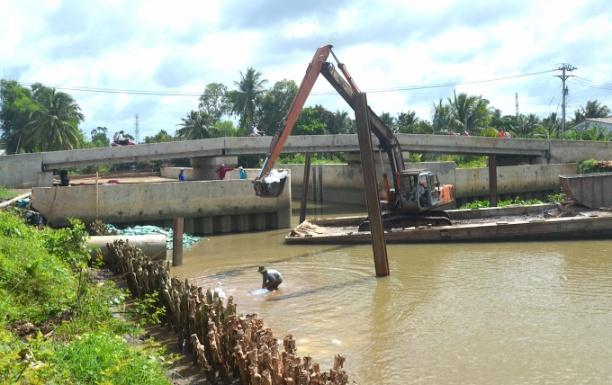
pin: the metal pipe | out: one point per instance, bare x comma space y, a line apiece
305, 187
178, 227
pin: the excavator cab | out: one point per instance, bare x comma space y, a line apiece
421, 191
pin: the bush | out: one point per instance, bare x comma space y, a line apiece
593, 165
35, 285
44, 281
480, 204
101, 358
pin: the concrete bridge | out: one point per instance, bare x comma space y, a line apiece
35, 169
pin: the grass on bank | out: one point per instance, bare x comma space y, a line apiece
71, 335
6, 194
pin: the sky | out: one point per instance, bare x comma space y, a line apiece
180, 46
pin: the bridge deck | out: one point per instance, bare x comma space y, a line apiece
295, 144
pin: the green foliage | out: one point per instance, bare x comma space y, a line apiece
310, 122
6, 194
592, 109
557, 197
275, 105
160, 137
148, 311
224, 128
465, 161
39, 284
214, 101
247, 97
17, 106
480, 204
35, 285
92, 358
99, 137
69, 244
315, 159
593, 165
38, 119
196, 125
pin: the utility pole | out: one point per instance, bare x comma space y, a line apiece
564, 68
136, 131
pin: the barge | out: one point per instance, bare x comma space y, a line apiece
529, 222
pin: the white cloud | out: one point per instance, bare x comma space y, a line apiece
182, 45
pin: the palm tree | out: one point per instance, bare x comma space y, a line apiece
442, 118
55, 125
469, 112
549, 128
246, 98
196, 125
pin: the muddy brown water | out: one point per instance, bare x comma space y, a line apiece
490, 313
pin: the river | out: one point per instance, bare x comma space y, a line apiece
489, 313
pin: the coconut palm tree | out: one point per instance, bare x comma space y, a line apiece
470, 113
442, 118
592, 109
196, 125
55, 125
246, 98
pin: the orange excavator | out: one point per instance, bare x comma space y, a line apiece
416, 199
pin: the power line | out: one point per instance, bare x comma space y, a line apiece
444, 85
198, 94
589, 83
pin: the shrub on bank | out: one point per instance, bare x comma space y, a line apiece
56, 320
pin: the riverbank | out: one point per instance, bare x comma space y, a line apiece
58, 323
68, 323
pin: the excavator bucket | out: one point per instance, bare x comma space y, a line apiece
269, 190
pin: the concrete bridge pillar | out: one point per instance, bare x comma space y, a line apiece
205, 168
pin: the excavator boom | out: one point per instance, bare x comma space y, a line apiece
346, 87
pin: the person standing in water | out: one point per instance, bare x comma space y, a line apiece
271, 278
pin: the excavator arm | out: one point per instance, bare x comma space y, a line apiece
347, 88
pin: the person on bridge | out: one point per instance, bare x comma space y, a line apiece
271, 278
181, 175
222, 170
243, 173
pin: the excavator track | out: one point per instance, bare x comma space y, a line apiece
399, 221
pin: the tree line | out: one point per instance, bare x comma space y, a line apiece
40, 118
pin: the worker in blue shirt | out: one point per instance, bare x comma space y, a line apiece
181, 176
271, 278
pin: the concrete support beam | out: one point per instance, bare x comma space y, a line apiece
205, 168
223, 224
241, 223
204, 225
259, 222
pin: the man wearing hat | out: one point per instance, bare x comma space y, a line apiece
271, 278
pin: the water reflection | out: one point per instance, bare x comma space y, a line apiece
494, 313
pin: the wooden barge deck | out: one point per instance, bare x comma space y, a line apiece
534, 222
